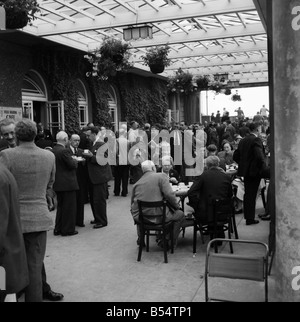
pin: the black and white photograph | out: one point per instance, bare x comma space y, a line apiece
149, 154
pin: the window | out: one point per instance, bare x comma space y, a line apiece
83, 104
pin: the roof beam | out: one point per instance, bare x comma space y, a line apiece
99, 6
167, 13
76, 9
219, 62
201, 35
227, 69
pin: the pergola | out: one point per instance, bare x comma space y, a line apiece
205, 36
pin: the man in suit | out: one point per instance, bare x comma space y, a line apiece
214, 183
251, 160
153, 187
34, 171
99, 176
65, 187
82, 178
12, 249
7, 129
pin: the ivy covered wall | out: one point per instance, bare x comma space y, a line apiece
143, 99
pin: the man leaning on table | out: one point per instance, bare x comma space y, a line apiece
153, 187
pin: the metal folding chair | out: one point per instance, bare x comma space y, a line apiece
231, 266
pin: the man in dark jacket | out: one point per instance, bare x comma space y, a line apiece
65, 187
12, 250
99, 176
214, 183
251, 160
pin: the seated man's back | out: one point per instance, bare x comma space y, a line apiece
214, 183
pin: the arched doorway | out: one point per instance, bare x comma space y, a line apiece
34, 97
113, 108
82, 103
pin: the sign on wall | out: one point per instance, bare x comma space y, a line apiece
11, 113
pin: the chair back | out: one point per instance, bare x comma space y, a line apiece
231, 266
152, 213
223, 210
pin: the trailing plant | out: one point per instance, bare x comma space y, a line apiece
112, 57
19, 13
157, 58
182, 82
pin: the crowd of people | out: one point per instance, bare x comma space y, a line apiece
40, 174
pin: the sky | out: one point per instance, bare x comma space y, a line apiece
253, 99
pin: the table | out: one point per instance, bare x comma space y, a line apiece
182, 192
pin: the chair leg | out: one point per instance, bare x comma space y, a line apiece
235, 227
200, 228
165, 247
172, 239
148, 241
183, 232
142, 237
229, 236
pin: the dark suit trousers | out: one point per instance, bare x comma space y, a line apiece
35, 245
251, 189
66, 212
121, 178
98, 203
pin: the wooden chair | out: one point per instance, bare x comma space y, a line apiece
230, 266
151, 224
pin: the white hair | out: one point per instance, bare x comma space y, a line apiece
148, 166
61, 136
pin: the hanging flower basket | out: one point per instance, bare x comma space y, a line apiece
19, 13
236, 97
112, 57
157, 59
203, 82
157, 68
182, 82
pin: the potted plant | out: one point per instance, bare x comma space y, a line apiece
112, 57
228, 91
157, 58
203, 82
182, 82
19, 13
236, 97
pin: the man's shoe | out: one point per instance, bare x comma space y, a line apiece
52, 296
81, 225
98, 226
56, 233
70, 234
238, 212
263, 215
251, 222
93, 222
266, 218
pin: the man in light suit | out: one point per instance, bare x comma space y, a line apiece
34, 171
65, 187
153, 187
99, 176
250, 157
12, 250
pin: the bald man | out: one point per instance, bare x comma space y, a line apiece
82, 178
65, 187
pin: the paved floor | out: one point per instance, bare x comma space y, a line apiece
101, 265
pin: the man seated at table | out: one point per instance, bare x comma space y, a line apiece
153, 187
214, 183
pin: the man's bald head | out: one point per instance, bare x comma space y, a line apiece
75, 140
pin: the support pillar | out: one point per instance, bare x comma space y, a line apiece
286, 56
